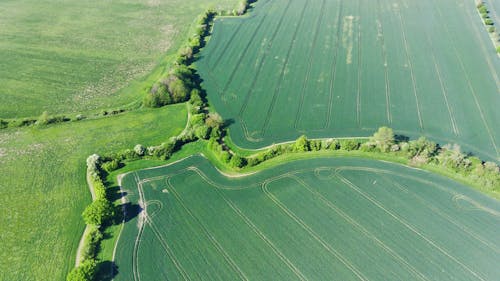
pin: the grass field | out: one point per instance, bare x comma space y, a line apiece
344, 68
44, 191
319, 219
73, 56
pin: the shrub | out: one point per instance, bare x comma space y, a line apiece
111, 165
237, 161
3, 124
139, 149
91, 243
225, 156
195, 98
383, 138
482, 9
349, 145
43, 120
488, 21
101, 211
491, 29
85, 272
301, 144
498, 49
202, 132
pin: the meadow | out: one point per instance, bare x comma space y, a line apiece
44, 190
306, 220
345, 68
76, 56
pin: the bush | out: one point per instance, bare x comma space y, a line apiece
111, 165
139, 149
91, 243
237, 161
491, 29
225, 156
3, 124
301, 144
488, 21
202, 132
482, 9
85, 272
349, 145
498, 50
101, 211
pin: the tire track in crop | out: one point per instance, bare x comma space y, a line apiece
334, 67
309, 66
408, 226
217, 61
471, 88
208, 234
361, 228
440, 213
476, 32
277, 89
313, 234
358, 94
414, 83
146, 219
261, 63
262, 236
243, 54
386, 71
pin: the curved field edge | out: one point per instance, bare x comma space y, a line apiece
214, 177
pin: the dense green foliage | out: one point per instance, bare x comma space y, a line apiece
85, 272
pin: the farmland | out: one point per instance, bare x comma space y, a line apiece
306, 220
44, 191
344, 68
74, 56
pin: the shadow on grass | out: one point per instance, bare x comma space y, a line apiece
106, 271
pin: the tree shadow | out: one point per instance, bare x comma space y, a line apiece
106, 271
401, 138
131, 211
114, 193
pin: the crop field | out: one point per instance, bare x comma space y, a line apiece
73, 56
344, 68
321, 219
44, 191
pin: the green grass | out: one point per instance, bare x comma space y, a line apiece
345, 68
42, 178
309, 219
74, 56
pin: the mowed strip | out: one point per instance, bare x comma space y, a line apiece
344, 219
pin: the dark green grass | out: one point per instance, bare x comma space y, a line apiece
44, 191
345, 68
74, 56
313, 219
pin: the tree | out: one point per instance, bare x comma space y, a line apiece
214, 120
99, 212
301, 144
383, 138
44, 119
139, 149
237, 161
85, 272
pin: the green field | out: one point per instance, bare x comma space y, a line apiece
44, 191
73, 56
321, 219
344, 68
